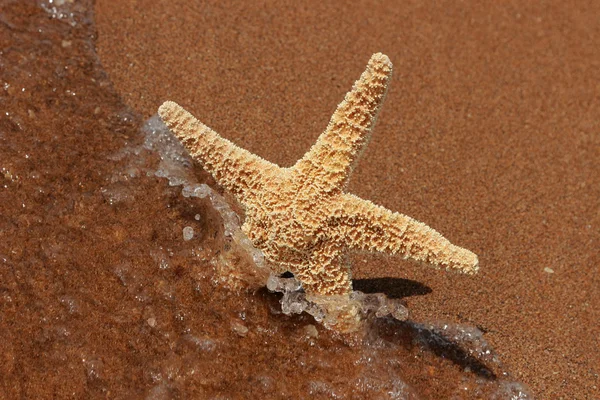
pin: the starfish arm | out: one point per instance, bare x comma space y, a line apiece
326, 272
336, 151
234, 168
369, 227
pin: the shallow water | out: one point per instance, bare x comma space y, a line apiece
110, 276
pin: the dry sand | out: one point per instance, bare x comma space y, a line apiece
490, 134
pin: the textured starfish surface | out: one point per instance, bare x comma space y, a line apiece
301, 217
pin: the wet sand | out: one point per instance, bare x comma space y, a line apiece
489, 134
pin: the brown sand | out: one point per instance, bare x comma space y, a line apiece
490, 134
100, 297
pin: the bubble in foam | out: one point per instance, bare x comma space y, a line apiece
188, 233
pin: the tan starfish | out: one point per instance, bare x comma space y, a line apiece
301, 217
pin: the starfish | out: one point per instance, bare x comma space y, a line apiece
301, 217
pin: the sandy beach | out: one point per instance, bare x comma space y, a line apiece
490, 134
